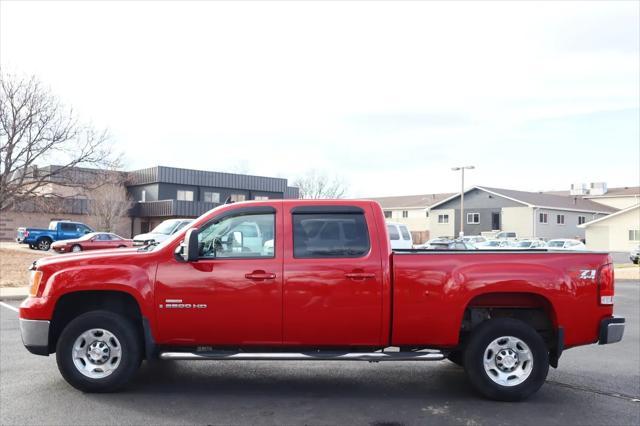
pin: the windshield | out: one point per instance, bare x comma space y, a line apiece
88, 236
493, 243
523, 244
556, 243
165, 227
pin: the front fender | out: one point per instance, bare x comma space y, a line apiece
130, 279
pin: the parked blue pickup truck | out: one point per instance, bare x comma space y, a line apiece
42, 239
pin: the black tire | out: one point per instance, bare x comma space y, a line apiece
44, 244
76, 248
456, 358
480, 340
130, 344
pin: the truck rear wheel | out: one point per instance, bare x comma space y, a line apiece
44, 244
506, 359
99, 351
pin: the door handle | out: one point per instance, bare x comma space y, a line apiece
359, 275
260, 276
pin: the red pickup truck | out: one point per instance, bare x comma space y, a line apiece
315, 280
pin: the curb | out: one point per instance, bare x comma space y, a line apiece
13, 297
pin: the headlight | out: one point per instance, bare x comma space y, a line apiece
35, 277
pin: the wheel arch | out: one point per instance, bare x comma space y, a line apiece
532, 308
70, 305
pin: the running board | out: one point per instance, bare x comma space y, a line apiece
303, 356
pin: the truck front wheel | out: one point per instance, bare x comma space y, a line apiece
99, 351
506, 359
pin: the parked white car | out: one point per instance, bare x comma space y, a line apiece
493, 245
161, 232
528, 244
474, 239
506, 235
634, 256
428, 244
565, 244
399, 235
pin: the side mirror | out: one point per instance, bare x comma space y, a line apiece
188, 250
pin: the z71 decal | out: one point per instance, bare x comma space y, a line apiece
588, 274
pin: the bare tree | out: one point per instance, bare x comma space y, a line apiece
315, 184
36, 128
110, 201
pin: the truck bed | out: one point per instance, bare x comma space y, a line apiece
429, 288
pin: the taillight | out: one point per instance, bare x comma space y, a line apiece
25, 234
605, 284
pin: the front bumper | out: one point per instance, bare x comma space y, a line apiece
611, 330
35, 336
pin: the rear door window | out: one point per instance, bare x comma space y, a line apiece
322, 235
68, 227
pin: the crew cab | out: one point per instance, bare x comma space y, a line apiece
42, 239
300, 294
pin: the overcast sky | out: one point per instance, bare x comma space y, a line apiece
389, 96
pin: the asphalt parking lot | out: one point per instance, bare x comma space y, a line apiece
594, 385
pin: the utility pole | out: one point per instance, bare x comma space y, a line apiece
462, 169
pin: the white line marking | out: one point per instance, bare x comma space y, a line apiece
13, 308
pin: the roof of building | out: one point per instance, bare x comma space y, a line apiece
623, 191
542, 200
410, 201
611, 216
164, 174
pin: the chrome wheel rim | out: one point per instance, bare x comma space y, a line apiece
508, 361
43, 245
96, 353
76, 249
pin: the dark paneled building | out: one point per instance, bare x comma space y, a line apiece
161, 193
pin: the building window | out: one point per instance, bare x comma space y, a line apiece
443, 218
261, 198
543, 218
387, 214
184, 195
238, 197
143, 196
560, 219
581, 220
405, 214
634, 234
211, 197
473, 218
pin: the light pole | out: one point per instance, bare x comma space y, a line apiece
462, 169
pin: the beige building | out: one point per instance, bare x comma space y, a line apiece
619, 197
619, 231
